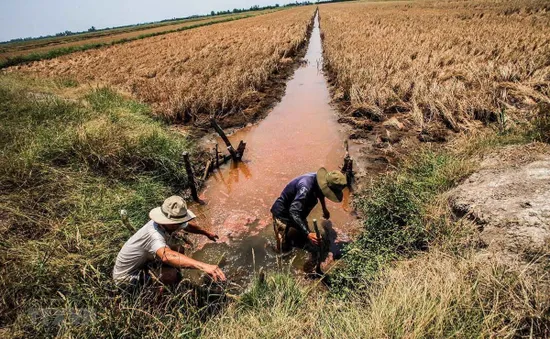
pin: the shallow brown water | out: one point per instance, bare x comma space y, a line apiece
298, 136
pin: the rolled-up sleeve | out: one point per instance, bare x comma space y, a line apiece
155, 243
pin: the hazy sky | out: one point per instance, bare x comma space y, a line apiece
24, 18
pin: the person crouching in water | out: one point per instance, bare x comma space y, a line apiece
147, 251
299, 197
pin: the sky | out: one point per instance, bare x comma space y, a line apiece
26, 18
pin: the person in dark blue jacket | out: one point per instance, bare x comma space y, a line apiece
299, 197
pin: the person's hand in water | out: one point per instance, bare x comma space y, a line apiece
214, 272
313, 238
213, 237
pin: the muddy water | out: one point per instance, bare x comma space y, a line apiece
298, 136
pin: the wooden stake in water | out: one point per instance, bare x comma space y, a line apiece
347, 168
206, 170
190, 176
318, 235
217, 157
236, 155
225, 139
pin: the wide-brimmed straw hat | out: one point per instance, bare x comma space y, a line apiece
332, 184
173, 211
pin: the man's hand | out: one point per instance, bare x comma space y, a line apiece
326, 214
313, 238
214, 272
212, 236
179, 260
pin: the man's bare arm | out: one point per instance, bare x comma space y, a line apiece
179, 260
196, 229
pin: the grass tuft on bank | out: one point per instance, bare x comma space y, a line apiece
433, 295
396, 224
67, 167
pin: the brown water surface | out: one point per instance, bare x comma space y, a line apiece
298, 136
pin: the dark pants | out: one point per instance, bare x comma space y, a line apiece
288, 237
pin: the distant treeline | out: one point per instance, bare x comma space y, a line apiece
213, 13
325, 1
258, 8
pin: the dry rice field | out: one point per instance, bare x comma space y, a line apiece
190, 76
438, 61
15, 49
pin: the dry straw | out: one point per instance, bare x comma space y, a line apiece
197, 74
437, 60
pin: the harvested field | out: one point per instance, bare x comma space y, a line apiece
11, 50
191, 76
432, 62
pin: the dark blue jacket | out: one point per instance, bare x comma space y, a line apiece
296, 201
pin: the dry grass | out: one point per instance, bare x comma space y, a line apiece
433, 296
11, 50
444, 61
193, 75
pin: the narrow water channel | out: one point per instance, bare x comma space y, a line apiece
298, 136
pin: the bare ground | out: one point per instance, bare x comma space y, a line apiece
509, 200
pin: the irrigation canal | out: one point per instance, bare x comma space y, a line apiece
298, 136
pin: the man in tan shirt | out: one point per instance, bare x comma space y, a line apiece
149, 245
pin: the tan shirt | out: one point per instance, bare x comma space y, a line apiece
140, 249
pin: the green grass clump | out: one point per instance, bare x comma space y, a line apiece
395, 223
67, 167
115, 137
280, 290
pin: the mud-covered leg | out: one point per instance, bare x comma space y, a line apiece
278, 238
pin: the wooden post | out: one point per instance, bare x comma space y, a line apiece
240, 149
349, 172
319, 254
277, 236
206, 170
217, 157
190, 176
347, 168
225, 139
